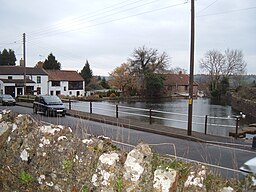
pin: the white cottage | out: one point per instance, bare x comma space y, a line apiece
12, 80
65, 82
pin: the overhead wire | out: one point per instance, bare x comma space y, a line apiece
74, 59
15, 46
225, 12
99, 11
10, 43
83, 21
98, 15
31, 40
86, 16
111, 20
200, 11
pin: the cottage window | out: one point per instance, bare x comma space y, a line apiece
38, 79
38, 90
65, 88
55, 83
75, 85
9, 77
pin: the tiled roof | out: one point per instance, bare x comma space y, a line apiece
177, 79
64, 75
18, 70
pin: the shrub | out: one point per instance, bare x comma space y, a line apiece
112, 95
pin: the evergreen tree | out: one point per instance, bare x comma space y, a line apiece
154, 84
86, 73
12, 57
7, 57
104, 83
224, 85
51, 63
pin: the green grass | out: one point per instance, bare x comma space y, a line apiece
25, 177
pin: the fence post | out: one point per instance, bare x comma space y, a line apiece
90, 107
116, 111
150, 116
69, 104
205, 124
237, 125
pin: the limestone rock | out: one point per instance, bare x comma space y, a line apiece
165, 180
138, 169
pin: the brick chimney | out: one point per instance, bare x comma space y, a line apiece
21, 62
40, 64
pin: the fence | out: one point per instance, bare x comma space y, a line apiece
202, 123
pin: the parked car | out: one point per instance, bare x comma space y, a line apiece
249, 166
7, 100
49, 105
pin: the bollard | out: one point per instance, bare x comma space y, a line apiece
90, 107
150, 116
237, 125
254, 143
69, 104
205, 124
116, 111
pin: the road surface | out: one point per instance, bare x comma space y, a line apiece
223, 160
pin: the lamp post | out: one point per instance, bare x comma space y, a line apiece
238, 117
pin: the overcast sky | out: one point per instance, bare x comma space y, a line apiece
106, 32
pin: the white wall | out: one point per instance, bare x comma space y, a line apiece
61, 88
43, 84
13, 76
1, 87
46, 86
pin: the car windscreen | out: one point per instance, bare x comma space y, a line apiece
52, 100
7, 96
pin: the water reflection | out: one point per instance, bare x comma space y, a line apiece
220, 119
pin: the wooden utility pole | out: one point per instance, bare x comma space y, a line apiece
191, 76
24, 65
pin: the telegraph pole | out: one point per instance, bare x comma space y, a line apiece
191, 76
24, 65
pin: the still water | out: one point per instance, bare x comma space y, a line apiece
221, 119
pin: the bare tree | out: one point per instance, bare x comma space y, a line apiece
234, 63
178, 70
220, 66
212, 63
148, 59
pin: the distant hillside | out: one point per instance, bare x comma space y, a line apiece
248, 93
235, 81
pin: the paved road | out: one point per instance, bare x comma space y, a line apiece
226, 160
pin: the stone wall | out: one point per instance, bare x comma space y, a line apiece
37, 157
